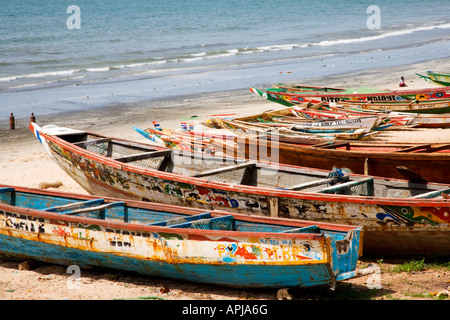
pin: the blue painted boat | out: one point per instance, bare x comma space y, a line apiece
188, 244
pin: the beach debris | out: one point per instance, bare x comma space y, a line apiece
164, 290
46, 185
283, 294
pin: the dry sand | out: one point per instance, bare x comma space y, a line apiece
24, 163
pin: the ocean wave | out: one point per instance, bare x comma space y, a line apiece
381, 36
40, 75
198, 53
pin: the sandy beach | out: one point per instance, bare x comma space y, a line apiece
24, 163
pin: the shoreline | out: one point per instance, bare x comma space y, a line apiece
138, 92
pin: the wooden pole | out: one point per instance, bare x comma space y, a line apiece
12, 125
366, 167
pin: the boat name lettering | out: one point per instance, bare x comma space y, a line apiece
23, 217
275, 241
330, 99
26, 226
368, 98
137, 234
116, 243
330, 123
381, 98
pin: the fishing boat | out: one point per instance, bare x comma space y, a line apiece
334, 111
177, 140
405, 100
433, 106
367, 122
417, 162
289, 132
399, 217
418, 120
437, 78
208, 247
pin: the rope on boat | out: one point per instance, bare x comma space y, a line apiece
338, 175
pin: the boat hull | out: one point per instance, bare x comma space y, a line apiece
383, 217
234, 259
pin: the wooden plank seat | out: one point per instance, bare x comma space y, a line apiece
346, 185
144, 155
100, 207
327, 145
425, 148
218, 223
432, 194
414, 148
180, 220
435, 148
224, 169
311, 184
75, 205
309, 229
245, 177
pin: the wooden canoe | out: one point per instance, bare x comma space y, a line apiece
393, 100
401, 119
400, 217
418, 162
211, 247
287, 131
433, 106
437, 78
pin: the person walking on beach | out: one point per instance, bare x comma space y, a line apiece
402, 82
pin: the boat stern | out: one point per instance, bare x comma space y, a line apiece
344, 254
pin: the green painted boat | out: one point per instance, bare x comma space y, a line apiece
438, 78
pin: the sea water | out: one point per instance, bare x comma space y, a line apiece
59, 56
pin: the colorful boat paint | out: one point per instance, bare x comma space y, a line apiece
399, 217
432, 107
180, 243
393, 100
437, 78
284, 131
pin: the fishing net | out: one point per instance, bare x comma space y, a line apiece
99, 148
225, 223
149, 163
231, 176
